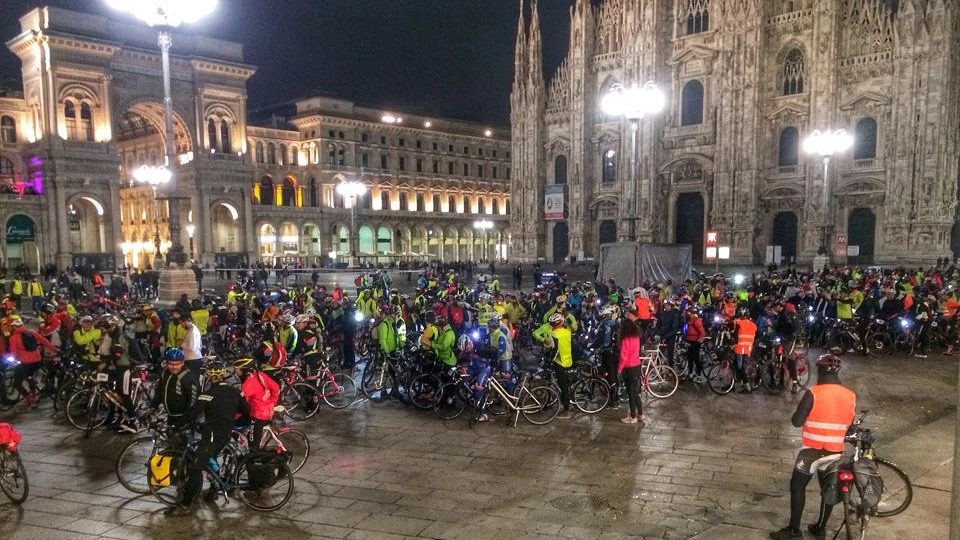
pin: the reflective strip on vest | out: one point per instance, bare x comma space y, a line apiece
834, 408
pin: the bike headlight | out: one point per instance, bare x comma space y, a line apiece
717, 318
358, 317
811, 318
475, 335
10, 359
904, 323
738, 279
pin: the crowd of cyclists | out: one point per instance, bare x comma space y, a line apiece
446, 339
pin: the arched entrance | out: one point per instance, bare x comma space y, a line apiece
689, 226
561, 242
289, 243
384, 242
785, 235
87, 227
268, 243
861, 231
224, 233
366, 244
608, 231
310, 242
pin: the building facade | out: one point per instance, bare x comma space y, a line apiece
745, 82
91, 113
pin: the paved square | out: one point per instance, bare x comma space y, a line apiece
704, 466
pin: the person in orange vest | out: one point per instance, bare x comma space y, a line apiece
745, 331
950, 308
825, 412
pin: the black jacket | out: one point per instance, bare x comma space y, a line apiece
219, 406
177, 393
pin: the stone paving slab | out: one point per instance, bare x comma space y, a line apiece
703, 466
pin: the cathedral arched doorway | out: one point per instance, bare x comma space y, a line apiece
561, 242
225, 232
861, 231
608, 231
689, 223
785, 235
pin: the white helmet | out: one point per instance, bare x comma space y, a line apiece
609, 310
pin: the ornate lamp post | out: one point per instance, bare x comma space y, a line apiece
825, 144
165, 16
633, 104
352, 190
484, 225
154, 177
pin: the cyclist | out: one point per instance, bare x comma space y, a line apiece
219, 406
29, 358
825, 412
694, 337
745, 333
389, 341
86, 338
605, 340
555, 335
113, 353
261, 393
669, 324
502, 347
192, 346
444, 342
177, 390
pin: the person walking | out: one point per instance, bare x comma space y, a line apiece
629, 368
825, 413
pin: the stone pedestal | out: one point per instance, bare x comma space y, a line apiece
174, 282
820, 262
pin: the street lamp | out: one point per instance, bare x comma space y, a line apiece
154, 177
190, 230
633, 104
352, 190
484, 225
165, 16
825, 144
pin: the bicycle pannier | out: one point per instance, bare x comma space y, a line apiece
869, 482
263, 468
162, 469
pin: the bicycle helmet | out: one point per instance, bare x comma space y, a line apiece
608, 310
829, 363
243, 363
556, 319
173, 354
441, 321
464, 344
743, 313
268, 329
561, 299
86, 319
216, 371
494, 320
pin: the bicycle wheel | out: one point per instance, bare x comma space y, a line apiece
803, 370
453, 400
169, 489
265, 498
540, 404
590, 394
897, 489
854, 519
661, 381
9, 393
13, 476
376, 380
87, 409
720, 378
295, 443
771, 377
133, 465
424, 391
301, 400
339, 393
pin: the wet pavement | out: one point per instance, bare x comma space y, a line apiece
703, 466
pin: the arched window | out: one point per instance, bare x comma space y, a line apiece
212, 133
341, 156
609, 165
258, 155
560, 170
496, 207
86, 122
691, 104
266, 191
8, 130
331, 154
271, 154
865, 139
314, 199
225, 145
403, 202
451, 204
436, 203
698, 16
289, 192
384, 199
789, 153
70, 119
793, 71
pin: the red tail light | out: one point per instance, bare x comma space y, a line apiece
846, 476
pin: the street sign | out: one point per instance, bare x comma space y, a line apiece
853, 251
841, 240
712, 238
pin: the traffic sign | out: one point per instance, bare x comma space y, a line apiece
841, 240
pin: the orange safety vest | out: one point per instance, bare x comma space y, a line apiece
746, 333
834, 408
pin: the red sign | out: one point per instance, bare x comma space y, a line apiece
841, 240
712, 238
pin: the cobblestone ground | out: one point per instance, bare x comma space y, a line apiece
704, 466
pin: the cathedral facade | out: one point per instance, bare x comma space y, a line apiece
746, 81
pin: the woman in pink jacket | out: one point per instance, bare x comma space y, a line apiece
629, 368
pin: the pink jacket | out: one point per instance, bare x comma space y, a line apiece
629, 353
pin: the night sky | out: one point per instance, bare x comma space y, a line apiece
446, 57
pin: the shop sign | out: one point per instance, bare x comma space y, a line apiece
20, 229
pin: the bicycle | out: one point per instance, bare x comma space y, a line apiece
657, 379
13, 475
538, 404
774, 367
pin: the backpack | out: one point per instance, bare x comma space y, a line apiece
29, 340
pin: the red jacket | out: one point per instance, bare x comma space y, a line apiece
262, 394
695, 329
23, 355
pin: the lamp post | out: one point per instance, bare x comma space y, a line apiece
165, 16
484, 225
633, 104
154, 177
190, 230
826, 144
353, 190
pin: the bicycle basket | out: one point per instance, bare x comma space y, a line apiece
867, 476
263, 468
163, 469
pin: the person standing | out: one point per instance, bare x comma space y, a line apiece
517, 277
694, 337
629, 368
555, 335
825, 413
745, 332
